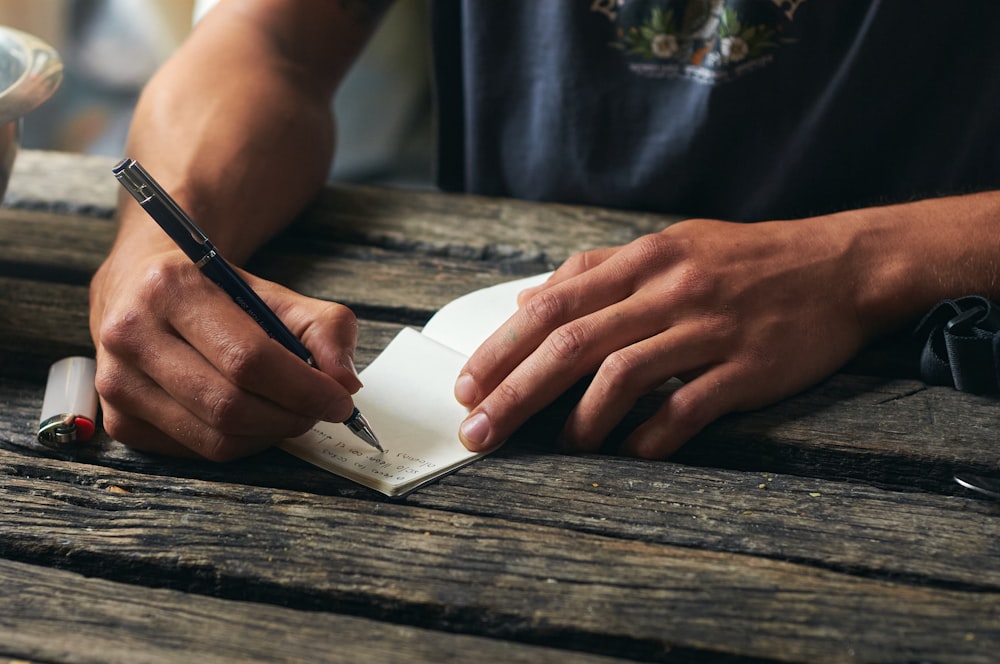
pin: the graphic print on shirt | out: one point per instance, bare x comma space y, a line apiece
709, 41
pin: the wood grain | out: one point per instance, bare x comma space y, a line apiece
52, 615
494, 576
824, 523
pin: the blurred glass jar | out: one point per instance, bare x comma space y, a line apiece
30, 71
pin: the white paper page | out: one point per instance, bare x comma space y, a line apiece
467, 321
409, 401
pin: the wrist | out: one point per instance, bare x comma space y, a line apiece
903, 259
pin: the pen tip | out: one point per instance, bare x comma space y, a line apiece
359, 425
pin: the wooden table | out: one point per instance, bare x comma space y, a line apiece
823, 529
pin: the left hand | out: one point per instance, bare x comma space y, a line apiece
746, 314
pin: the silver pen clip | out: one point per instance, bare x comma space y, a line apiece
126, 174
144, 188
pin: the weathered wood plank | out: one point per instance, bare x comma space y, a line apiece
316, 258
421, 221
900, 433
488, 576
470, 227
849, 527
70, 182
39, 317
46, 244
385, 284
473, 227
833, 525
55, 616
888, 432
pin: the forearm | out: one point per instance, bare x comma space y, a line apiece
238, 169
908, 257
237, 125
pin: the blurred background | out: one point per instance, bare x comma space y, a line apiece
110, 48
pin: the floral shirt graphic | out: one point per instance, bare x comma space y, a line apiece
710, 41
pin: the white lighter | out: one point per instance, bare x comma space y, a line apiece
69, 409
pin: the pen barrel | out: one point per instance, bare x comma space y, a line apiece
160, 211
219, 271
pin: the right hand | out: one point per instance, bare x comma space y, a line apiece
182, 370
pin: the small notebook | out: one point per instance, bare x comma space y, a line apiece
409, 399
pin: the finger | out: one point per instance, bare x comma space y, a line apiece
571, 267
627, 374
686, 412
242, 408
333, 337
568, 353
329, 330
201, 314
235, 352
142, 436
140, 414
240, 403
541, 320
132, 366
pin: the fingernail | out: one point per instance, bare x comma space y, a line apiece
474, 431
347, 361
465, 390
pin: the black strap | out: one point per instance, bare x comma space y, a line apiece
961, 346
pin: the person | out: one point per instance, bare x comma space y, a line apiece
860, 140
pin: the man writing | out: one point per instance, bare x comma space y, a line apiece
867, 170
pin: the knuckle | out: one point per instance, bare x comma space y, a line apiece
219, 404
239, 361
122, 334
224, 411
332, 316
578, 263
725, 323
692, 280
341, 314
334, 321
648, 250
688, 413
568, 342
508, 395
163, 280
544, 308
108, 384
123, 329
618, 370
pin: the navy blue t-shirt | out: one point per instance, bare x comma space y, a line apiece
735, 109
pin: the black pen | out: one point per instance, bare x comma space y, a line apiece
193, 242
